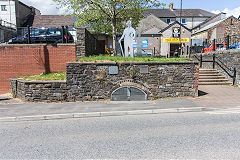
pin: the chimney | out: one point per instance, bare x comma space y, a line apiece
223, 15
171, 6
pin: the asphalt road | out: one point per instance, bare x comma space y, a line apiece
205, 135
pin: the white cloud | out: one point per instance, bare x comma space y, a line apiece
45, 6
235, 12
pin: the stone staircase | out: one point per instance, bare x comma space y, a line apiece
212, 77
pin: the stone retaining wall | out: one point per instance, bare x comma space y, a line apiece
39, 91
91, 81
97, 81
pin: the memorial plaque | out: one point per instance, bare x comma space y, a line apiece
144, 69
113, 70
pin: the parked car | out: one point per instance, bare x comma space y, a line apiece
43, 35
144, 53
235, 46
218, 47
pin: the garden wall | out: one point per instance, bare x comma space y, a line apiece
39, 91
30, 59
97, 81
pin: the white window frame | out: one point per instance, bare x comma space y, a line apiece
3, 7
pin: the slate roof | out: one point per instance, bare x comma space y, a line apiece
193, 13
209, 19
53, 20
161, 13
172, 24
167, 13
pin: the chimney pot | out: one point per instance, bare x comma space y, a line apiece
171, 6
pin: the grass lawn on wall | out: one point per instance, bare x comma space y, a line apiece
103, 58
45, 77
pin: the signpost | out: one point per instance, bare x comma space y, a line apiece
176, 40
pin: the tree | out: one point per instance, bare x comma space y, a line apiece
108, 15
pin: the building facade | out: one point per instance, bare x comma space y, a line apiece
190, 18
13, 15
218, 30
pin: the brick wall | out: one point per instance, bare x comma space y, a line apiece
16, 60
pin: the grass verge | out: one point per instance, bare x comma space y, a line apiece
105, 58
45, 77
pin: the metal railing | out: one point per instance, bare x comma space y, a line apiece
225, 43
216, 61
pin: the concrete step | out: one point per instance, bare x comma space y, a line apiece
214, 83
206, 69
208, 72
213, 80
211, 77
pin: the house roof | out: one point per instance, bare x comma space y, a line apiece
167, 13
214, 24
193, 13
161, 13
172, 24
210, 26
209, 19
53, 20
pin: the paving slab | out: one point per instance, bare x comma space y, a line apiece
218, 96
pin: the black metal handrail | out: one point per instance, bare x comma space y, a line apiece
233, 75
224, 67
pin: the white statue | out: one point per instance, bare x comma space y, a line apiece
129, 35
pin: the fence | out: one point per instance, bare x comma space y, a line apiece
225, 43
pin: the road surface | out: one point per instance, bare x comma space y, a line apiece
203, 135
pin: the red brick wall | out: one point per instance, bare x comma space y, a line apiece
16, 60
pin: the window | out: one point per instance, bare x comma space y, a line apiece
3, 8
168, 21
183, 21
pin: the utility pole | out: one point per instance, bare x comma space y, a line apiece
180, 43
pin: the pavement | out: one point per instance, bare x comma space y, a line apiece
218, 96
211, 97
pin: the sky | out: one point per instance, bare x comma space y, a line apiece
231, 7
